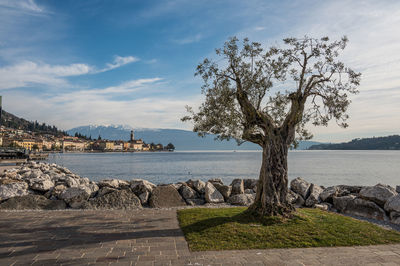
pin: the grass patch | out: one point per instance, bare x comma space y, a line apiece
231, 228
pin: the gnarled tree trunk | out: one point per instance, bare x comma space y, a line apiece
271, 197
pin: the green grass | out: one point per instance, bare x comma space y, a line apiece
232, 228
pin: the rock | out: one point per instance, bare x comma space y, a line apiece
295, 199
237, 187
144, 197
328, 194
398, 189
67, 181
395, 217
224, 190
41, 184
35, 174
32, 202
250, 183
91, 188
344, 190
300, 186
314, 191
118, 199
114, 183
197, 185
105, 190
188, 193
140, 186
216, 181
74, 197
378, 193
365, 208
165, 196
248, 191
55, 191
13, 190
323, 206
393, 204
9, 181
340, 203
195, 202
212, 195
242, 199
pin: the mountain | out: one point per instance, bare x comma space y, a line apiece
182, 139
11, 121
375, 143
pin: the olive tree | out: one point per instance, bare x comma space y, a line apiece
268, 96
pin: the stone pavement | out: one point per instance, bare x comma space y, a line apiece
146, 237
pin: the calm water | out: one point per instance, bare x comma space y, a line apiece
321, 167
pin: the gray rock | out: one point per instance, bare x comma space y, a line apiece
340, 203
197, 185
242, 199
144, 197
67, 181
393, 204
195, 202
118, 199
13, 190
224, 190
398, 189
75, 197
188, 193
35, 174
32, 202
248, 191
323, 206
250, 183
237, 187
328, 194
344, 190
365, 208
105, 190
165, 196
295, 199
212, 195
114, 183
378, 193
41, 184
216, 181
140, 186
314, 191
300, 186
91, 188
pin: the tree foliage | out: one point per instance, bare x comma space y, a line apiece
254, 94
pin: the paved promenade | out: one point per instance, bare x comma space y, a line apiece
146, 237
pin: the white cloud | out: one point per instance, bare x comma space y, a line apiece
190, 39
118, 62
23, 5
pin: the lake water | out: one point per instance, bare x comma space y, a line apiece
320, 167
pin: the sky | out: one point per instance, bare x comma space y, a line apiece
75, 63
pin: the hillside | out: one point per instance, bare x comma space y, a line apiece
182, 139
375, 143
11, 121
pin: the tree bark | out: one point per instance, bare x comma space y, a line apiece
272, 189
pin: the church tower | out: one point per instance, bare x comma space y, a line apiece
132, 136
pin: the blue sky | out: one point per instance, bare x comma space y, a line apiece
74, 63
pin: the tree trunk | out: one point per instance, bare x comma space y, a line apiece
272, 189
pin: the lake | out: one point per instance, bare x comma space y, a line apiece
320, 167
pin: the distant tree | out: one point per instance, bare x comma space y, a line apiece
99, 138
170, 147
267, 96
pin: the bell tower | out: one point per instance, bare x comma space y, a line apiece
132, 136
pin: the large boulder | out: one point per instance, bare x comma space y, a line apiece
195, 202
395, 217
224, 190
328, 194
165, 196
197, 185
345, 190
365, 208
340, 203
393, 204
237, 186
295, 199
215, 181
118, 199
41, 184
212, 195
13, 190
75, 197
91, 188
140, 186
32, 202
313, 199
300, 186
68, 181
379, 193
188, 193
242, 199
105, 190
398, 189
250, 184
113, 183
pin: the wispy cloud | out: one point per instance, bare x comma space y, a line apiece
189, 39
23, 5
118, 62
